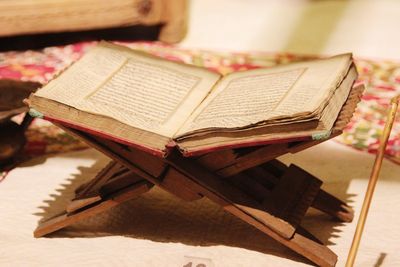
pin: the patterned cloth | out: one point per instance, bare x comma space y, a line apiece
381, 77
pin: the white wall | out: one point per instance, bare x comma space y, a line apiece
366, 27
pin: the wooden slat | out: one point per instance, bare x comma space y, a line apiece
251, 186
293, 195
302, 244
118, 182
221, 191
178, 184
109, 180
285, 192
218, 160
93, 186
77, 204
89, 193
253, 159
66, 219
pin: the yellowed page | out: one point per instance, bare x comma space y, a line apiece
140, 90
257, 96
331, 111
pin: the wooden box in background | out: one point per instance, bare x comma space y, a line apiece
26, 17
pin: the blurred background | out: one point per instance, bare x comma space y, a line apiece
369, 28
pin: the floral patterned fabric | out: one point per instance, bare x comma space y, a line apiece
382, 78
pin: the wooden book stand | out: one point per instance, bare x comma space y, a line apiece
248, 182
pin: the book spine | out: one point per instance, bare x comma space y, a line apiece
154, 152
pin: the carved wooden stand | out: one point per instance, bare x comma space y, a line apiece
249, 183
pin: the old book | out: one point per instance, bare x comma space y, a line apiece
155, 104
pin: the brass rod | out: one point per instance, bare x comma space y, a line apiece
372, 181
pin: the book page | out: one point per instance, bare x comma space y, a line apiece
140, 90
257, 96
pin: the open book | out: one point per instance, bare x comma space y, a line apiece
155, 104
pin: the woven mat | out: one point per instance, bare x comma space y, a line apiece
382, 78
